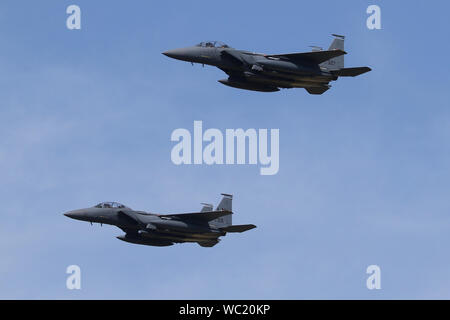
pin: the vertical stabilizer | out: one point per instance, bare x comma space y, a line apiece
206, 207
225, 204
338, 62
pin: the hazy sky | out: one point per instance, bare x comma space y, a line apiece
86, 116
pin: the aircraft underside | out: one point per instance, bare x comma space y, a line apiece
271, 81
167, 238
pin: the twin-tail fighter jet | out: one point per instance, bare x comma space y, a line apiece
204, 227
269, 72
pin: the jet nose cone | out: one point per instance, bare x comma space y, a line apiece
74, 215
171, 54
186, 54
68, 214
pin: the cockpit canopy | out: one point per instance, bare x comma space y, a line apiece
110, 205
213, 44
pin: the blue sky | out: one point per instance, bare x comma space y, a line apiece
86, 116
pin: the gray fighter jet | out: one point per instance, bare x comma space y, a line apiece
204, 227
270, 72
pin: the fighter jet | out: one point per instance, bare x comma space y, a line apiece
269, 72
204, 227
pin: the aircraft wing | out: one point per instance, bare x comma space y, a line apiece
313, 56
202, 216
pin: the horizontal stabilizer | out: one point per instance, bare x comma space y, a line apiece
202, 216
350, 72
314, 56
238, 228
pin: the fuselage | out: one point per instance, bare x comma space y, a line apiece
203, 227
312, 70
147, 228
254, 67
